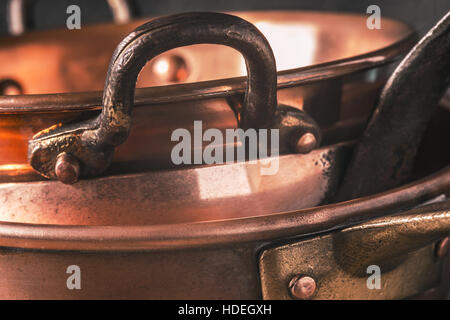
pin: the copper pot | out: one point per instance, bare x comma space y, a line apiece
330, 72
140, 227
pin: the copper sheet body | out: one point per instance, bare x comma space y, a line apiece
164, 233
334, 73
213, 260
338, 90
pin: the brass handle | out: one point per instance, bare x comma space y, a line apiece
86, 149
335, 265
391, 237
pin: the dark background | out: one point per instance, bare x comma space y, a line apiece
422, 14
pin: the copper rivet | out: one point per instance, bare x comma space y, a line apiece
442, 247
10, 88
171, 68
306, 143
67, 168
302, 287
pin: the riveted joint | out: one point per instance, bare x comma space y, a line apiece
302, 287
299, 133
67, 168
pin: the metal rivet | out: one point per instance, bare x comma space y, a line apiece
67, 168
171, 68
442, 247
306, 143
302, 287
10, 88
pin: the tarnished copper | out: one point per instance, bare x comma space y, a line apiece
214, 254
179, 196
211, 101
146, 221
92, 142
401, 247
391, 236
132, 234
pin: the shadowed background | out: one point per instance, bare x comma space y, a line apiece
44, 14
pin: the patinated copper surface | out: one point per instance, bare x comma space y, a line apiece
180, 196
401, 246
310, 88
217, 259
219, 232
92, 142
143, 232
68, 64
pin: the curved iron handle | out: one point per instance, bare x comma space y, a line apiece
86, 148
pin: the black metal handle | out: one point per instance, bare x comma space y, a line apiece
86, 148
385, 155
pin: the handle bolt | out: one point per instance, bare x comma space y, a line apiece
302, 287
305, 143
67, 168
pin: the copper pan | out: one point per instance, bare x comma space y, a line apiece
334, 61
333, 71
195, 232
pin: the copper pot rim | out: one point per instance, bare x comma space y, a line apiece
262, 229
92, 100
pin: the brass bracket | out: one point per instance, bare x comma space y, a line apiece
402, 246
